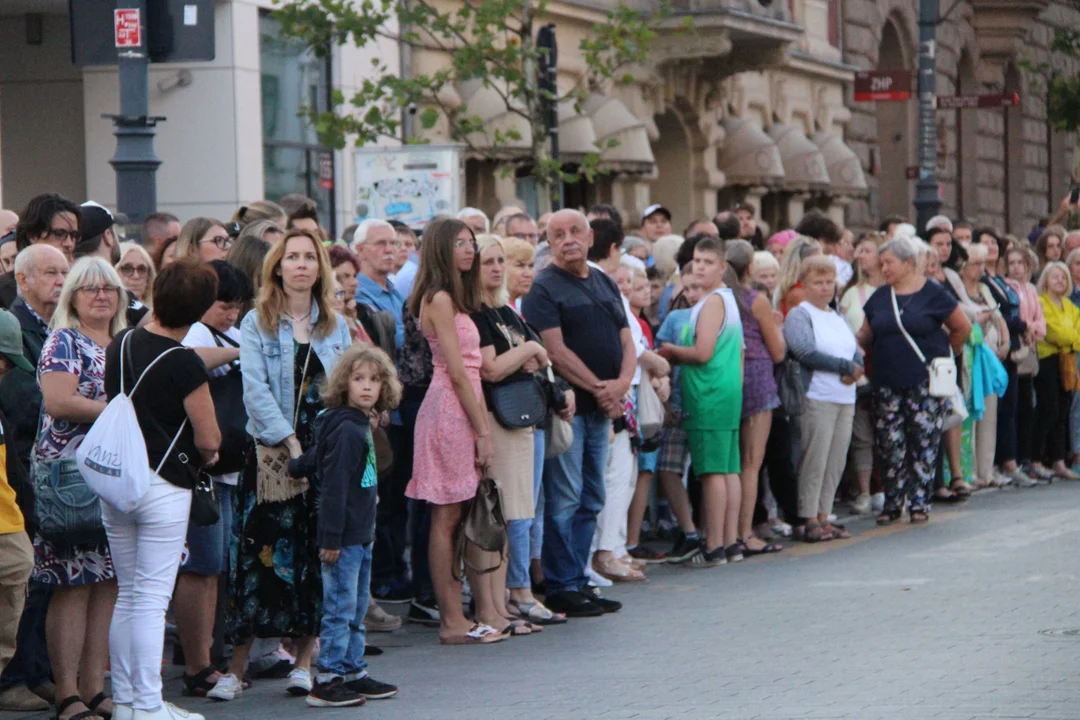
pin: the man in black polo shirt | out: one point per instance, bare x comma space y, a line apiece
580, 316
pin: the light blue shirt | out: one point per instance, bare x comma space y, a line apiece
371, 293
403, 279
670, 332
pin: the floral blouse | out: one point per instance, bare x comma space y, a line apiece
69, 351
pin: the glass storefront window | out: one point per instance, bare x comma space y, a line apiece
293, 159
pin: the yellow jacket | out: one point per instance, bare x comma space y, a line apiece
1062, 327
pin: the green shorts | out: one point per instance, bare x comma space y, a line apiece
714, 451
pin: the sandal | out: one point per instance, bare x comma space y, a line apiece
479, 634
532, 628
198, 685
517, 628
888, 517
617, 571
816, 533
769, 549
961, 489
838, 532
68, 702
536, 613
98, 699
918, 517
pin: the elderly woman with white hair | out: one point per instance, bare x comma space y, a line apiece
663, 252
903, 331
476, 219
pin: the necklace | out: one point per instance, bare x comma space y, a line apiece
298, 319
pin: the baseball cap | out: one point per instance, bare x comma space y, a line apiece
95, 220
11, 341
653, 209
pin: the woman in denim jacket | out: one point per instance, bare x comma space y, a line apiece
290, 342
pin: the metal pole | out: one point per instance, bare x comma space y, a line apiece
549, 74
927, 202
135, 162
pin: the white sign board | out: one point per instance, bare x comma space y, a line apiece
412, 183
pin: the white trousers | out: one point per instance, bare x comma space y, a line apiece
146, 545
619, 482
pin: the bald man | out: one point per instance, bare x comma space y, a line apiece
8, 221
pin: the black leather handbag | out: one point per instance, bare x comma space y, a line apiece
204, 504
68, 511
228, 393
519, 403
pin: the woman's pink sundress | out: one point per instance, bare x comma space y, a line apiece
444, 458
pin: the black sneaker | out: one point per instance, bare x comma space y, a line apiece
424, 611
683, 549
572, 604
608, 606
333, 694
371, 688
708, 559
392, 593
646, 553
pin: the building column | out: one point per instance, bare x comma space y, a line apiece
796, 207
837, 206
631, 195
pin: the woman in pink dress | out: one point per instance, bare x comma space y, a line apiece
453, 439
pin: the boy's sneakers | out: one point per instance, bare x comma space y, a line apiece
684, 548
370, 688
228, 687
334, 694
299, 682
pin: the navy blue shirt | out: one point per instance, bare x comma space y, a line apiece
590, 313
894, 363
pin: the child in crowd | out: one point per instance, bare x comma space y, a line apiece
342, 466
711, 353
765, 272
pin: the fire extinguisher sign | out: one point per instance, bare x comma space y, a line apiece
126, 28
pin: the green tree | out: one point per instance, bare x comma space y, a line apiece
488, 41
1062, 86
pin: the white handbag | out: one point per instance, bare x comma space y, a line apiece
942, 370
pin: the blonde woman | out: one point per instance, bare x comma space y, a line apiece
289, 342
71, 373
765, 272
203, 239
1051, 398
261, 210
789, 292
137, 272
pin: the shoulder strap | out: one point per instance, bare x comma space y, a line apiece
299, 390
125, 351
219, 336
900, 324
583, 287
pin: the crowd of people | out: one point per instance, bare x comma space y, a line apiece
320, 414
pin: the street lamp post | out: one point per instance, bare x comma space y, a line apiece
927, 202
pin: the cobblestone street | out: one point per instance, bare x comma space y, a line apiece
969, 617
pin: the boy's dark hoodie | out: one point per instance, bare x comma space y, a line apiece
341, 466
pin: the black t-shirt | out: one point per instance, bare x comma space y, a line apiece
159, 402
590, 313
503, 329
135, 311
895, 364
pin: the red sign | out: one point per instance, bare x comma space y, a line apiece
873, 85
126, 28
911, 172
967, 102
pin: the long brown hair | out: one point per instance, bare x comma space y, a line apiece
438, 271
187, 245
271, 301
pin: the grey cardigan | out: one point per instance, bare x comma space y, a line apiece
799, 336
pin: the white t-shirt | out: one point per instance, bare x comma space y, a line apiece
200, 336
844, 271
832, 336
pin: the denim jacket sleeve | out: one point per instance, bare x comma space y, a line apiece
266, 421
799, 336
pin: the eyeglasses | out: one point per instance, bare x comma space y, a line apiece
458, 244
134, 270
62, 234
105, 290
223, 243
527, 237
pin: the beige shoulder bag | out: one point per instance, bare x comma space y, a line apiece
273, 483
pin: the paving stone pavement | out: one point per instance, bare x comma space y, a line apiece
965, 618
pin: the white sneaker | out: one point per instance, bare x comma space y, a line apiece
862, 504
595, 578
299, 682
122, 712
168, 711
228, 687
877, 502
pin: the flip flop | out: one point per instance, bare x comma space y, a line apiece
536, 613
479, 634
531, 627
518, 628
769, 549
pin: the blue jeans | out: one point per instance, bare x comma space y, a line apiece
573, 496
526, 537
346, 589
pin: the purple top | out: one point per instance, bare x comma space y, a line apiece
755, 345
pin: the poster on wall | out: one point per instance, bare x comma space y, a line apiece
413, 183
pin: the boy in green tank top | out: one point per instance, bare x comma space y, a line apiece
711, 353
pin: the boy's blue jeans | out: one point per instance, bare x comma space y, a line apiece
346, 592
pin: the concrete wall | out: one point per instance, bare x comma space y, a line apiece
41, 114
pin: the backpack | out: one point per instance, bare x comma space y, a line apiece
483, 526
112, 456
